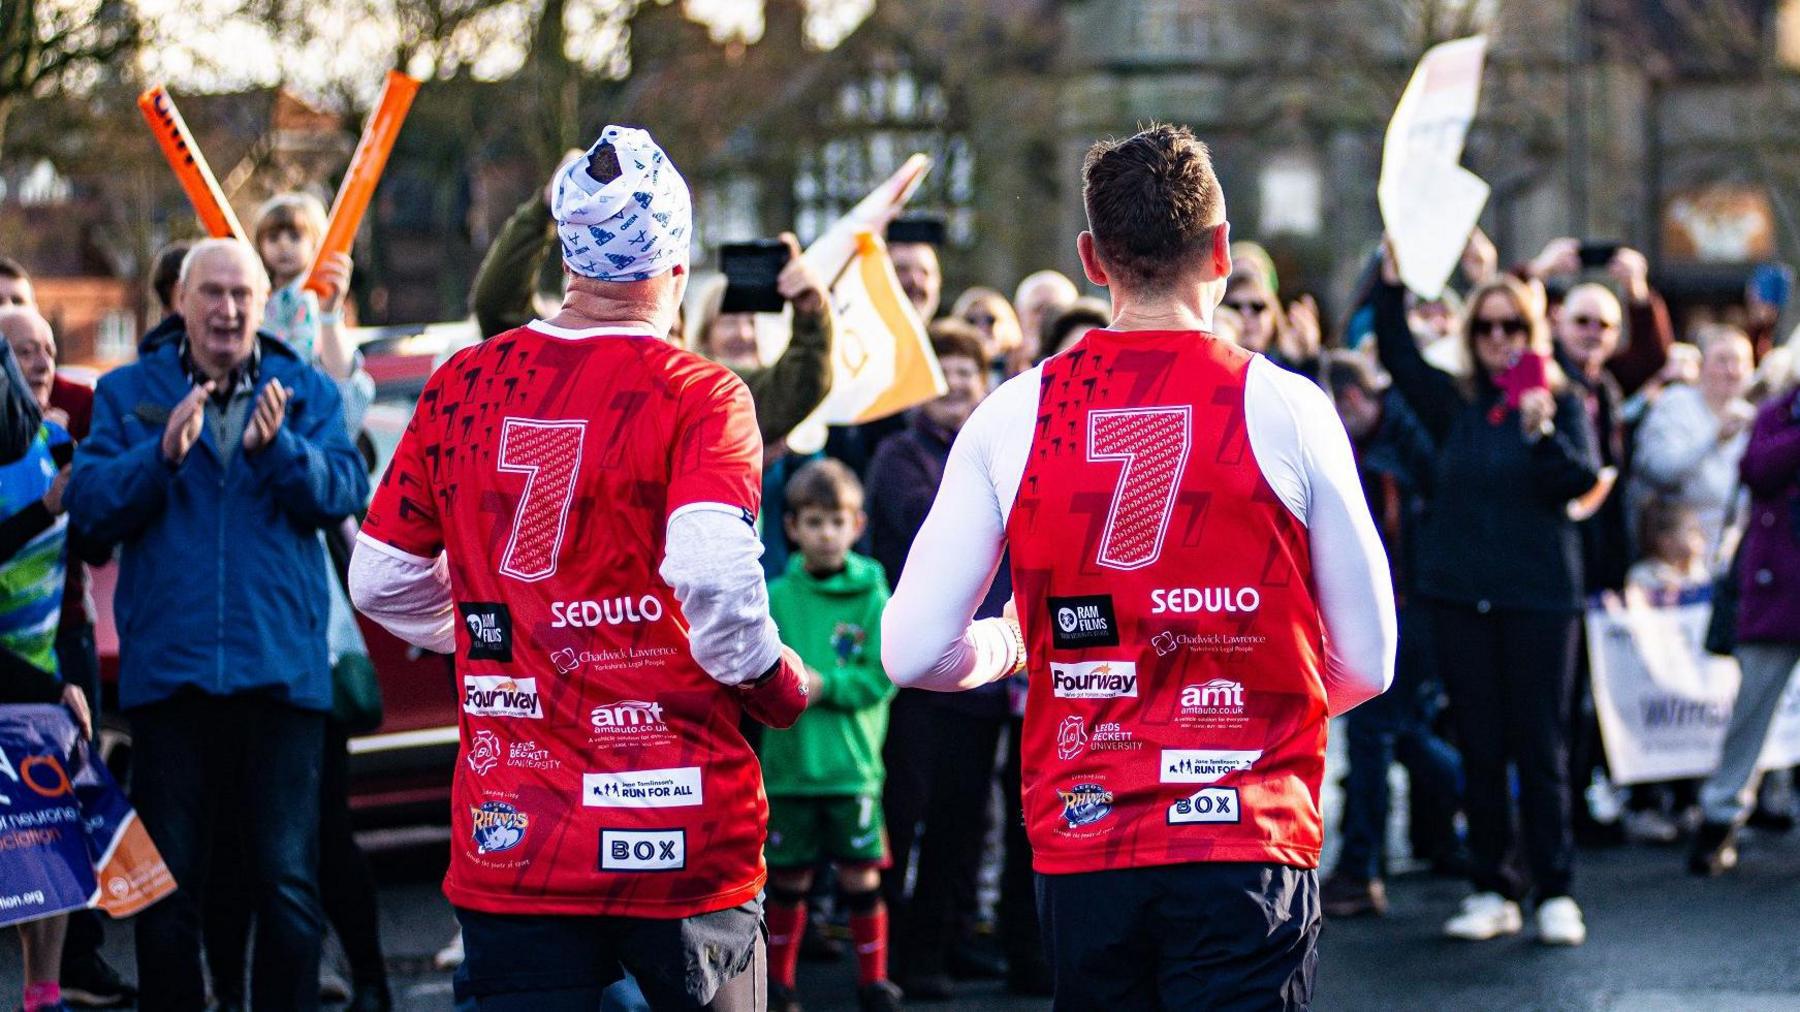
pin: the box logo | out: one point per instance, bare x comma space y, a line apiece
1208, 804
643, 849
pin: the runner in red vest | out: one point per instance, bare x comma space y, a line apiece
570, 513
1198, 586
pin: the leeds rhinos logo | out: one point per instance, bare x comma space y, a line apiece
497, 826
1085, 804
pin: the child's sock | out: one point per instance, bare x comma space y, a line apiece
787, 920
869, 930
44, 994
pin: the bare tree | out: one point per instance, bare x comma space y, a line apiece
45, 44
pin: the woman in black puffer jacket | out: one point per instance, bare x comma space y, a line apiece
1500, 563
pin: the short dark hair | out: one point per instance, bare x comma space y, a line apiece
824, 484
953, 338
1152, 201
1342, 369
10, 268
167, 270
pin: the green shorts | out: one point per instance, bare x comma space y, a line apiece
845, 828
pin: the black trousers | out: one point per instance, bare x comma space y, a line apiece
1219, 936
940, 772
190, 754
1510, 677
1020, 937
346, 888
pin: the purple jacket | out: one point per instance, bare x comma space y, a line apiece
1770, 556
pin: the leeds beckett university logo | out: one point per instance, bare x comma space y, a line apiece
1208, 804
1078, 622
1094, 680
500, 696
1071, 738
484, 752
497, 826
490, 630
1085, 804
1205, 765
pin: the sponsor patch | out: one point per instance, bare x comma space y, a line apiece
484, 752
1080, 622
1205, 765
643, 849
489, 624
677, 787
1094, 680
501, 696
1208, 804
1071, 738
1085, 804
497, 826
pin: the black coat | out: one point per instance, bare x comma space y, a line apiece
1498, 534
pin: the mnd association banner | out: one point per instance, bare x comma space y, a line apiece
68, 838
1662, 700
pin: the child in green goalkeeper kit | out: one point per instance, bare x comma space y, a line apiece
824, 774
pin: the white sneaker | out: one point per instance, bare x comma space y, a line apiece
1484, 916
1559, 922
450, 956
1650, 827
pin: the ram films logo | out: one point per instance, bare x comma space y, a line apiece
1071, 738
497, 826
501, 696
484, 752
1085, 804
1087, 621
490, 630
1094, 680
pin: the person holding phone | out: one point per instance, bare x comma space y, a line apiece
1500, 564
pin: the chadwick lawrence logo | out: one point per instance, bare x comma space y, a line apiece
1094, 680
1078, 622
500, 696
490, 630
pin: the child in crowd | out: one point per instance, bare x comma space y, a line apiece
824, 774
1674, 544
288, 230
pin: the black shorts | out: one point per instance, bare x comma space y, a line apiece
550, 963
1182, 936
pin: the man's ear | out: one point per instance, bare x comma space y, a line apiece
1221, 250
1090, 259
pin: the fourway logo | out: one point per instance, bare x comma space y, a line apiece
500, 696
1205, 765
667, 788
1094, 680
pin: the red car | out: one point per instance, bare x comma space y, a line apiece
400, 774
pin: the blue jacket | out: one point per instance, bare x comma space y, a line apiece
221, 581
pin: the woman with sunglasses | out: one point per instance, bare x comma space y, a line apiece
1290, 338
1500, 565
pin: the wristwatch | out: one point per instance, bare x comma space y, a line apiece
1018, 640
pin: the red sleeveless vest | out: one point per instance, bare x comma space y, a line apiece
1177, 709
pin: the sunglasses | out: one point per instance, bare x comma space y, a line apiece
1594, 321
1249, 308
1512, 326
982, 320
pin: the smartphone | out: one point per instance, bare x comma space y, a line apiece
1597, 253
751, 269
925, 228
1530, 372
1772, 284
